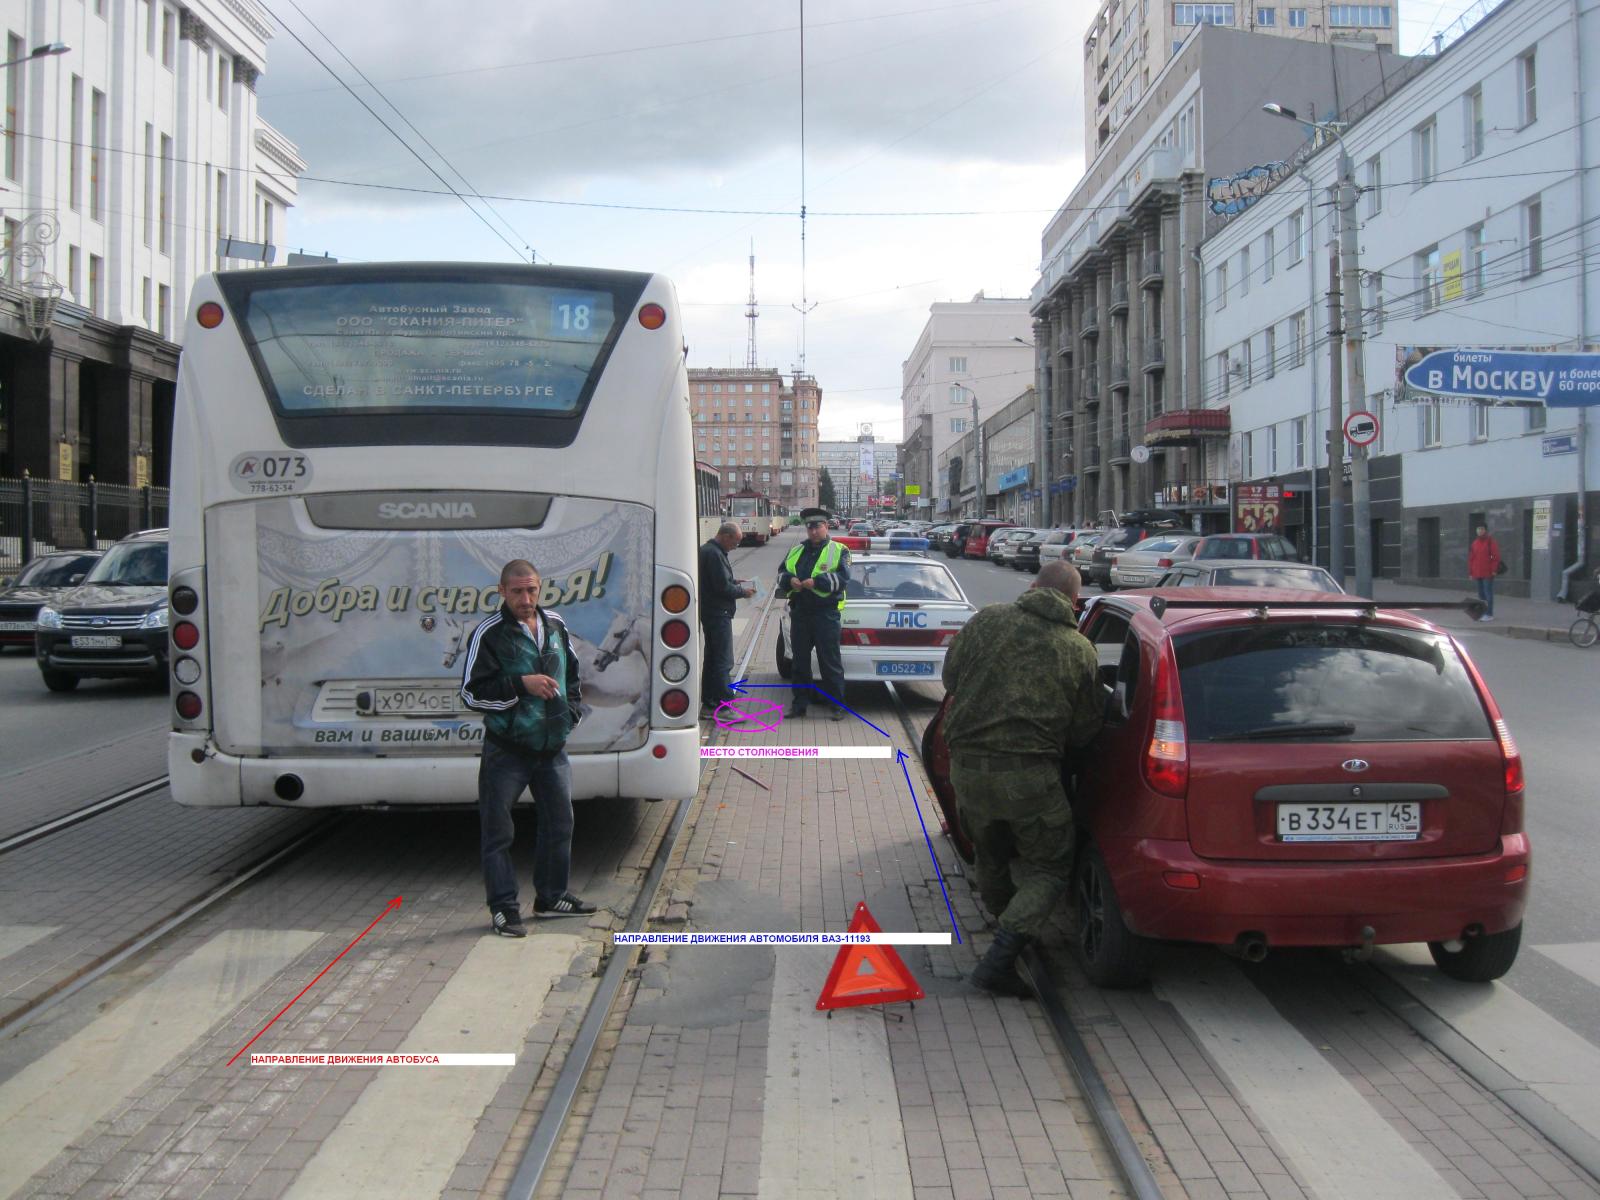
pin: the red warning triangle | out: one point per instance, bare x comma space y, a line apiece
867, 974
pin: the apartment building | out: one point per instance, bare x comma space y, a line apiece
759, 430
979, 351
1475, 232
1123, 419
859, 469
126, 158
1129, 41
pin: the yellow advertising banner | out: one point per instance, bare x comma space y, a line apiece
141, 470
1450, 266
64, 461
913, 489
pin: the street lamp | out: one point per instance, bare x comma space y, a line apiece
1356, 373
977, 448
45, 51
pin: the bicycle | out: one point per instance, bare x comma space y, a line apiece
1585, 631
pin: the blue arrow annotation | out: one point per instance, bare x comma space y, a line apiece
738, 689
900, 757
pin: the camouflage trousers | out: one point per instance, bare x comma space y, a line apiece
1020, 823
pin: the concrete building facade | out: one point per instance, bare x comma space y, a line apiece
1124, 422
758, 430
125, 160
1475, 212
981, 348
1129, 41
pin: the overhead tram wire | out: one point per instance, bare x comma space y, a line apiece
409, 125
391, 129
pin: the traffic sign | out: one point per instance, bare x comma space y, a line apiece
1361, 429
1140, 453
1558, 380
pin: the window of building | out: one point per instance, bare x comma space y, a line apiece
958, 364
1430, 431
1247, 454
716, 387
1429, 279
1219, 287
1373, 300
224, 78
1424, 153
75, 273
1472, 123
149, 182
97, 267
146, 303
1532, 237
766, 387
223, 225
1297, 18
149, 27
169, 37
13, 233
75, 149
1347, 15
1269, 254
958, 394
1536, 418
1266, 17
1202, 14
1373, 192
163, 309
1473, 280
164, 209
1480, 422
1272, 450
1297, 236
1269, 351
1244, 271
1224, 373
1298, 437
14, 50
749, 387
97, 150
749, 401
1527, 90
958, 424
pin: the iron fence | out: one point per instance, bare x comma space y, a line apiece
41, 515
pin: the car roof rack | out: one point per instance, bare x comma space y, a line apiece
1369, 608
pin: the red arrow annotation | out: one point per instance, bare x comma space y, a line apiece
392, 905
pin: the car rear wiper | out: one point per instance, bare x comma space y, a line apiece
1327, 729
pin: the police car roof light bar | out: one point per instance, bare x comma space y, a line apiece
883, 543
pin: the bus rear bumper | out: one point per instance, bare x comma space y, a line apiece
204, 777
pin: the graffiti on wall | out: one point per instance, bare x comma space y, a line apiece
1233, 194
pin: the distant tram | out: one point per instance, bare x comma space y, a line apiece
708, 500
753, 514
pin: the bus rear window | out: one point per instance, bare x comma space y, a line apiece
351, 358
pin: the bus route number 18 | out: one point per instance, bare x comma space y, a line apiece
573, 314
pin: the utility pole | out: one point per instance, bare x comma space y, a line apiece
977, 452
1355, 344
1336, 493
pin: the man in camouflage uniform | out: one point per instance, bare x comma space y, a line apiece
1024, 690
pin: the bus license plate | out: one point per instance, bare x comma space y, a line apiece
96, 642
16, 626
1398, 822
439, 701
905, 668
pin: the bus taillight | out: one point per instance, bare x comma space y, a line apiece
209, 315
675, 703
675, 634
675, 599
652, 316
184, 600
185, 635
187, 704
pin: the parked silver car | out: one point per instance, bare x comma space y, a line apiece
1146, 562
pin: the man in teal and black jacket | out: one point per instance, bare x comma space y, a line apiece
522, 675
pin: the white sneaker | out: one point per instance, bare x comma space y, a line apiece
1486, 617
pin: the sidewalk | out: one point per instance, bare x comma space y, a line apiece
1514, 616
723, 1079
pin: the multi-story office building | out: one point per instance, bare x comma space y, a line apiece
759, 431
1124, 422
979, 349
1476, 231
127, 158
860, 469
1129, 41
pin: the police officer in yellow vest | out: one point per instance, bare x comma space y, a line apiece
814, 577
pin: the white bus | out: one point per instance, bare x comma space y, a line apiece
357, 451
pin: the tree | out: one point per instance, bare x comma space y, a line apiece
825, 496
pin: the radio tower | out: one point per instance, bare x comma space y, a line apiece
751, 312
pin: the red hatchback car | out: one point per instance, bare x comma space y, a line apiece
978, 535
1277, 770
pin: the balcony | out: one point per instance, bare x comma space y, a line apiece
1205, 493
1155, 355
1152, 270
1188, 425
1121, 448
1089, 384
1089, 321
1119, 373
1119, 297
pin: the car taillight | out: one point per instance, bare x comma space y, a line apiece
857, 637
1510, 756
1166, 762
946, 636
675, 634
1163, 562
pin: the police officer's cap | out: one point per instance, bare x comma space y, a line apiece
815, 516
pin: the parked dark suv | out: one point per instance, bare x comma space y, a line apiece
114, 624
41, 582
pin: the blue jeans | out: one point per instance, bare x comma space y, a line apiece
818, 629
502, 776
718, 631
1486, 593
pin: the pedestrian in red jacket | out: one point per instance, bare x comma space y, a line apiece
1483, 564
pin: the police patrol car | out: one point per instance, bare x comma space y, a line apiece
901, 612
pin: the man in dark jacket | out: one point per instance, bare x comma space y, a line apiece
1024, 690
720, 593
814, 577
522, 675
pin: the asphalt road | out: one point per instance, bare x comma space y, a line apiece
38, 725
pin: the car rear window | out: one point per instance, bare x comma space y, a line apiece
1335, 681
901, 581
1266, 576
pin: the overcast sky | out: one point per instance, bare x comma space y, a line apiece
912, 107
